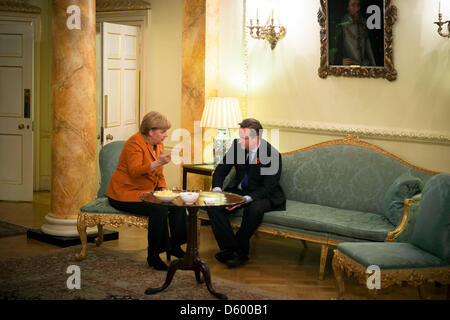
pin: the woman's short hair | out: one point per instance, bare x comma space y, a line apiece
153, 120
254, 126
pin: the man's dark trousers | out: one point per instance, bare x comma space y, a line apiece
252, 218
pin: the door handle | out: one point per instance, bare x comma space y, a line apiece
21, 126
26, 103
109, 137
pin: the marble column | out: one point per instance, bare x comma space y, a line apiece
193, 74
73, 181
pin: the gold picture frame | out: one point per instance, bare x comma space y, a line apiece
336, 38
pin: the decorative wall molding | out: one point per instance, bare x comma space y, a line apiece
397, 134
121, 5
18, 6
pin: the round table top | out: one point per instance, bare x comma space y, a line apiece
206, 199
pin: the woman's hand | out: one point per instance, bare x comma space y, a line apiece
163, 159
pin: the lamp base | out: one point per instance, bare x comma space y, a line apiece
221, 144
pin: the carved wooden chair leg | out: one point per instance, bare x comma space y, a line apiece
421, 291
305, 245
323, 260
81, 226
99, 239
339, 276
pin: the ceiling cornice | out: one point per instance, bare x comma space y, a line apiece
18, 6
121, 5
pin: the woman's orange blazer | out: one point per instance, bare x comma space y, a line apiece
133, 177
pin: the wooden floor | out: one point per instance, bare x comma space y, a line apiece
276, 264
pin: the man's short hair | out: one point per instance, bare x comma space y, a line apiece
254, 125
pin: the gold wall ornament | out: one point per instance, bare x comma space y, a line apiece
441, 24
386, 71
269, 32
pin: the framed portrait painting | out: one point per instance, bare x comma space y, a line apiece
356, 38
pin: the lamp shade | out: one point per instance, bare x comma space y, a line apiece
221, 112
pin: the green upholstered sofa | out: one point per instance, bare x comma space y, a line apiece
343, 190
98, 212
425, 258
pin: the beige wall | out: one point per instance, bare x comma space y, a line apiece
164, 85
164, 89
283, 85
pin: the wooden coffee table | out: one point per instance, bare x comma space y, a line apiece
191, 260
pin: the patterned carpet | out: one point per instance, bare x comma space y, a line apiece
8, 229
107, 275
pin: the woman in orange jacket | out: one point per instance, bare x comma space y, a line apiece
140, 170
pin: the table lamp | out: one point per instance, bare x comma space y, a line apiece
221, 113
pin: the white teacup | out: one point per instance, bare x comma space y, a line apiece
189, 197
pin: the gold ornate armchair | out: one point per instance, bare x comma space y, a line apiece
99, 212
426, 258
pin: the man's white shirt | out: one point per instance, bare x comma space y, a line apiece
251, 155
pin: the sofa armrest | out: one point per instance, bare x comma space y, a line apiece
407, 220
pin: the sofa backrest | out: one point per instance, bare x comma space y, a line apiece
432, 227
108, 159
343, 175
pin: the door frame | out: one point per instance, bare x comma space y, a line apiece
140, 18
35, 20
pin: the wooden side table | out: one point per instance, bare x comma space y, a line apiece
203, 169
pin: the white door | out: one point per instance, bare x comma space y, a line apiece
120, 81
16, 96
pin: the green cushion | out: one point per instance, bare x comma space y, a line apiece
101, 205
349, 223
342, 176
404, 187
432, 229
108, 159
390, 255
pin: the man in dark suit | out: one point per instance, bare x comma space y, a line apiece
258, 170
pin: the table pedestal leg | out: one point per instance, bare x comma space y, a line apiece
191, 261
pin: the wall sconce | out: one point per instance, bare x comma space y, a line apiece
269, 32
441, 23
221, 113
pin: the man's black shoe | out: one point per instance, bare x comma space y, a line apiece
236, 260
224, 255
155, 261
